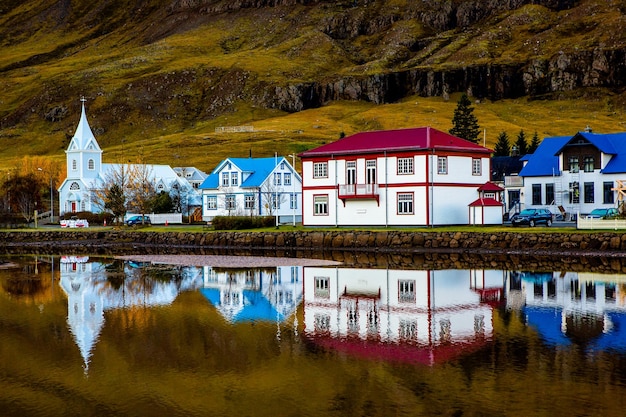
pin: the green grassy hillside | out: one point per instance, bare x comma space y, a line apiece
160, 77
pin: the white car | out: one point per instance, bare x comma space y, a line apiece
74, 222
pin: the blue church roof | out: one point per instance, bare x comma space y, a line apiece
545, 160
259, 169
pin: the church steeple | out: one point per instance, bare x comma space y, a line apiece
84, 156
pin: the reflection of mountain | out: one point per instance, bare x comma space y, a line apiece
90, 293
254, 294
584, 309
413, 316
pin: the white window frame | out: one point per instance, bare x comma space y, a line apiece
442, 165
405, 166
320, 170
477, 167
234, 179
249, 202
225, 179
320, 205
230, 202
406, 203
287, 178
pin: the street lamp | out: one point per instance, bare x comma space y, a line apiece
293, 189
51, 198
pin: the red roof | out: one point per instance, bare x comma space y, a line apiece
421, 138
486, 202
489, 186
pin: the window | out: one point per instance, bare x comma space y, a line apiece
322, 287
277, 178
407, 330
351, 172
370, 171
536, 189
234, 179
405, 166
293, 201
588, 163
74, 164
320, 170
589, 197
248, 201
607, 192
550, 193
406, 291
229, 202
476, 166
295, 274
442, 165
320, 205
573, 164
405, 203
574, 193
91, 165
74, 186
287, 178
225, 179
275, 201
211, 202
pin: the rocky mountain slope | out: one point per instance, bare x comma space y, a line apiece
152, 68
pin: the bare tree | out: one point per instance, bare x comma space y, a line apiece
272, 196
110, 194
141, 189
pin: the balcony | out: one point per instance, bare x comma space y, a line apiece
358, 191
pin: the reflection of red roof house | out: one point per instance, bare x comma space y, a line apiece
410, 316
404, 177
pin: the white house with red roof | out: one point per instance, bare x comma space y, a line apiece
406, 177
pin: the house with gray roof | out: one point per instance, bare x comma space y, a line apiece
253, 187
574, 174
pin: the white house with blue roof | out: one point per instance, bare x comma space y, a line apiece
576, 173
253, 187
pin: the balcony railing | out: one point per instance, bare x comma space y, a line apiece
355, 191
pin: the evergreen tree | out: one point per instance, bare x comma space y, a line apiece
503, 147
521, 144
464, 123
534, 143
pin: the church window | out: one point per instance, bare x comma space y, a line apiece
91, 165
74, 164
74, 186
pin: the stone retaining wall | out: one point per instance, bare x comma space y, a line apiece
330, 240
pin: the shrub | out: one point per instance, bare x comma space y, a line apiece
242, 222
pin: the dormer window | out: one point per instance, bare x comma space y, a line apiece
573, 164
588, 163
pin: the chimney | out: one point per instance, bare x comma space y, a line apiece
588, 129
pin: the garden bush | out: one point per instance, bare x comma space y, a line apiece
242, 222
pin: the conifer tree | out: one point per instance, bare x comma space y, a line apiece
521, 144
464, 122
534, 143
503, 147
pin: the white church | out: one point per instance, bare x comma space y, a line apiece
86, 173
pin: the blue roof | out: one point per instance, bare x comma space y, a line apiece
547, 322
258, 168
545, 160
256, 307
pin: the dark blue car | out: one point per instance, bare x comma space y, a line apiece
532, 217
137, 220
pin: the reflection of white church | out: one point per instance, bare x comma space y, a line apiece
416, 316
89, 295
86, 172
253, 294
588, 309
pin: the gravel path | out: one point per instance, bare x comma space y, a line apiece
227, 261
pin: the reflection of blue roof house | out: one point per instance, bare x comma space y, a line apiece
574, 308
253, 186
576, 172
254, 295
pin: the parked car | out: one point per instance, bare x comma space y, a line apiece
532, 217
74, 222
603, 213
131, 221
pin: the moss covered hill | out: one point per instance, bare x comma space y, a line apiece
160, 76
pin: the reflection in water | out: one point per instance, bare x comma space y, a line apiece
588, 310
188, 340
413, 316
